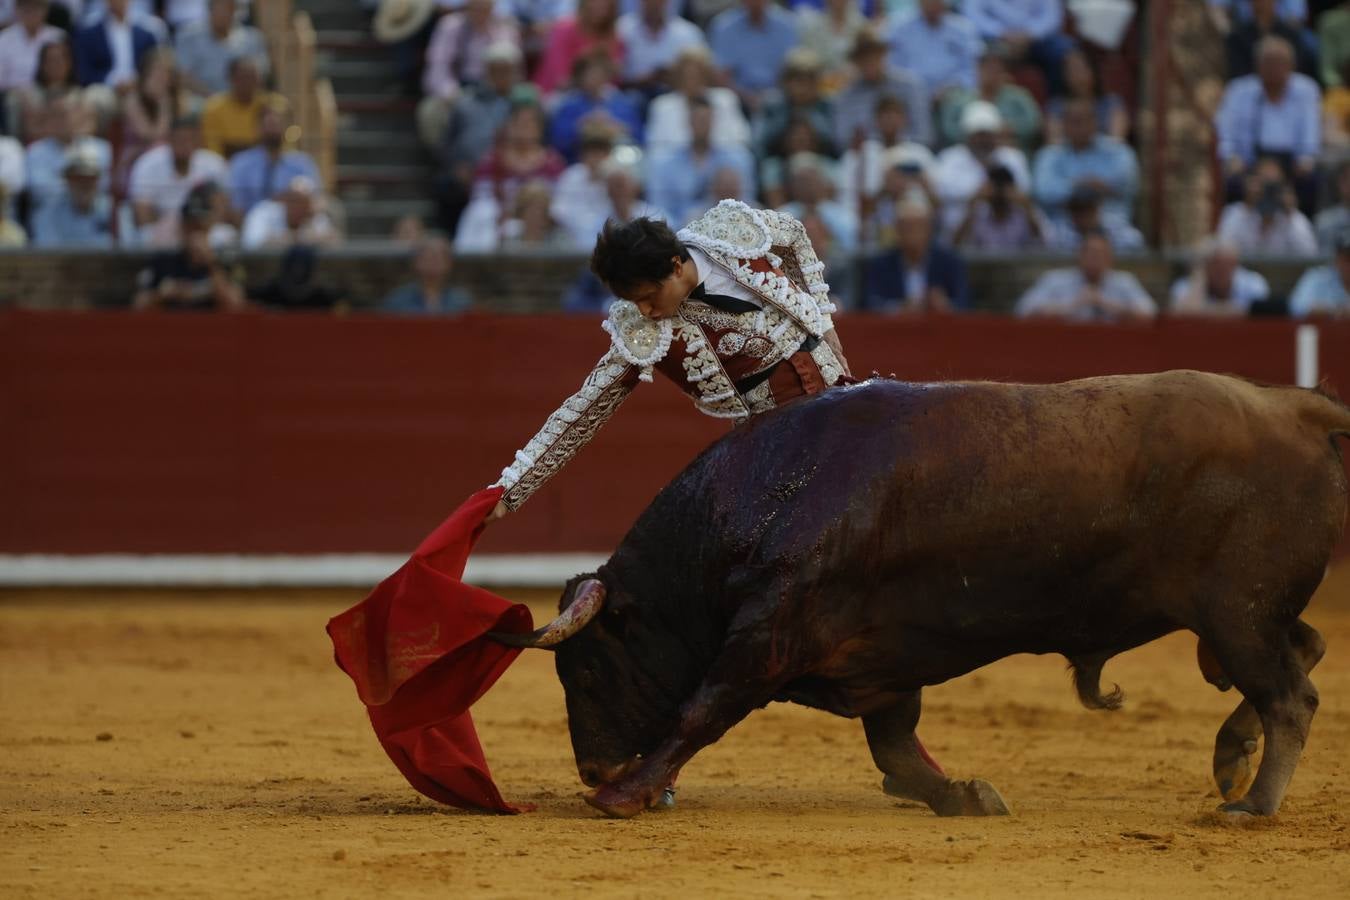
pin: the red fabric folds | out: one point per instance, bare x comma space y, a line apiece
418, 652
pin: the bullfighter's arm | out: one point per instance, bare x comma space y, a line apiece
799, 258
569, 428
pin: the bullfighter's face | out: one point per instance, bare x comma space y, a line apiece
622, 681
660, 299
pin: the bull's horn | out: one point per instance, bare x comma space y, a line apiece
586, 602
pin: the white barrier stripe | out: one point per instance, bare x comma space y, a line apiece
1307, 371
237, 570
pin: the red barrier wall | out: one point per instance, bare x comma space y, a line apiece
305, 434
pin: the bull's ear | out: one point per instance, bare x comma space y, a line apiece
620, 614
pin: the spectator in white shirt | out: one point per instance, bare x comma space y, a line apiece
1218, 285
623, 192
652, 40
1268, 220
162, 177
882, 152
12, 166
21, 43
963, 169
295, 217
581, 196
668, 114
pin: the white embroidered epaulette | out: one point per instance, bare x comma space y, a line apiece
732, 228
640, 341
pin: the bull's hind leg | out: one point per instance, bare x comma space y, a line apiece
1270, 671
910, 773
1238, 739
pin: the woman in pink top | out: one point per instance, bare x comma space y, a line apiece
520, 156
593, 26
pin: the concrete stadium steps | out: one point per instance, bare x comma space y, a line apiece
336, 15
387, 182
384, 173
380, 148
373, 218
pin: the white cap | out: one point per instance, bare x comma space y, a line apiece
502, 51
980, 115
905, 155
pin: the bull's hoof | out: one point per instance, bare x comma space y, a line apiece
614, 803
1240, 811
1233, 771
976, 797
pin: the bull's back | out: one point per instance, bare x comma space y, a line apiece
1090, 505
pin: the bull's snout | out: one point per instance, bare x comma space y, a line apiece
595, 774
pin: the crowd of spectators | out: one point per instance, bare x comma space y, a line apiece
908, 133
912, 132
150, 125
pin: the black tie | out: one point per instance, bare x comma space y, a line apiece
722, 301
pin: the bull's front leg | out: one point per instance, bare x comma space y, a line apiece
912, 774
741, 681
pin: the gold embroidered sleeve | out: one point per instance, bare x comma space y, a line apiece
569, 429
800, 263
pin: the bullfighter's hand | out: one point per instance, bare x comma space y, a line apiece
497, 512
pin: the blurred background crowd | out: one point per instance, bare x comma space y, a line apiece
909, 136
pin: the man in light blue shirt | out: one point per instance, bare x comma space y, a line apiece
205, 48
1218, 285
1085, 159
1026, 29
45, 163
751, 43
1008, 20
1292, 11
81, 215
1090, 291
941, 48
264, 170
681, 180
1276, 112
855, 105
1322, 291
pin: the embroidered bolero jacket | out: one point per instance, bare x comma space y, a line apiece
720, 359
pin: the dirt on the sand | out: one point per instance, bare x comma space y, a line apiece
204, 745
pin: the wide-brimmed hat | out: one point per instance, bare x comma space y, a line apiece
398, 20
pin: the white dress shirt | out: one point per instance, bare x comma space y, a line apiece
123, 51
717, 280
155, 181
647, 51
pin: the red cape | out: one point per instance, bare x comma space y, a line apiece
417, 650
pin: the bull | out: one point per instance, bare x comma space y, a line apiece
848, 550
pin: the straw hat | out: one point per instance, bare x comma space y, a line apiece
398, 20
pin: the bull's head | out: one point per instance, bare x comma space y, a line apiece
621, 676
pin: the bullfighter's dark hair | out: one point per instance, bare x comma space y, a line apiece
628, 254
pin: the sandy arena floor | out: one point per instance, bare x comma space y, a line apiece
204, 745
